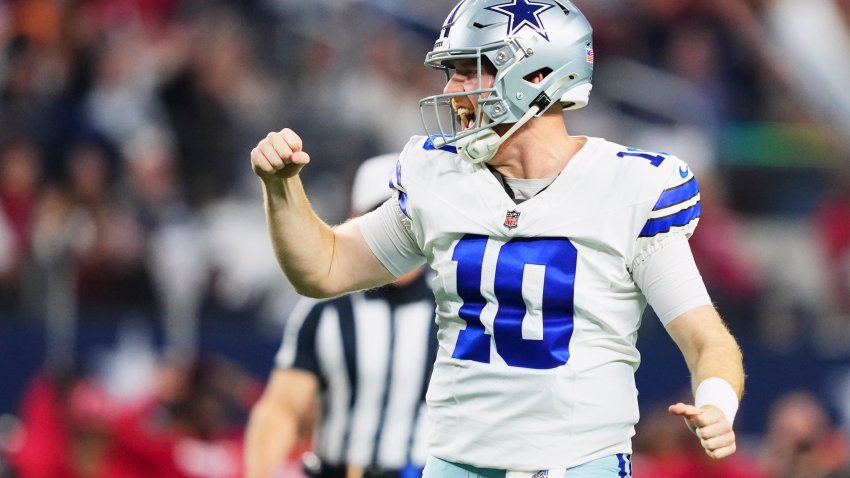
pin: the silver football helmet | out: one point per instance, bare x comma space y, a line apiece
519, 38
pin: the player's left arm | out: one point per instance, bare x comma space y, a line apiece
717, 376
665, 271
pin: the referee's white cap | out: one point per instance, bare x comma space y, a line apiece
372, 183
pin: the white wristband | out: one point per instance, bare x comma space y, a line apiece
716, 391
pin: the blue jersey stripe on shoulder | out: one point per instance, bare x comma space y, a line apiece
664, 224
397, 173
402, 202
429, 146
677, 194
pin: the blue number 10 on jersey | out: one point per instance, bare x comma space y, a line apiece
557, 257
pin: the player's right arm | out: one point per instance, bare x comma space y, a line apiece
273, 426
320, 261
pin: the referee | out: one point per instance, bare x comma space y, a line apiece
367, 357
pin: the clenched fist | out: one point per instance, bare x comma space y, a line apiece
711, 426
278, 155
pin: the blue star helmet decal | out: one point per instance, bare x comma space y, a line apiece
523, 13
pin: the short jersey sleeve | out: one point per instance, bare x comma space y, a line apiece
663, 266
388, 230
675, 212
388, 234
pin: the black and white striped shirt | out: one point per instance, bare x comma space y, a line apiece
373, 353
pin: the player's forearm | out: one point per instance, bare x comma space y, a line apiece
269, 438
302, 242
718, 357
708, 347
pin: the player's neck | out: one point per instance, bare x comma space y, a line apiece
539, 149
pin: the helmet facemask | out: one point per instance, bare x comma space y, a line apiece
446, 124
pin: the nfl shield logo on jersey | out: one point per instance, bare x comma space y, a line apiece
511, 219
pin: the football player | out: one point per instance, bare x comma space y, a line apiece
546, 248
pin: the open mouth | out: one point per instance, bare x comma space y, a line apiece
465, 117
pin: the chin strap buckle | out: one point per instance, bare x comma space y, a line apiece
542, 101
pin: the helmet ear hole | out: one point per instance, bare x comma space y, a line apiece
537, 76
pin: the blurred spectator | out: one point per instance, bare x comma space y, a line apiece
122, 98
189, 428
390, 81
110, 269
798, 28
88, 253
695, 54
19, 182
22, 96
831, 226
719, 45
66, 429
801, 442
176, 252
200, 96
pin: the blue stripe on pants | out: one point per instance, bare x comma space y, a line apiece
624, 462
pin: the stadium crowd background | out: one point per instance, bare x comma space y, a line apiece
135, 266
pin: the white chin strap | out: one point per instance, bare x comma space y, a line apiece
482, 146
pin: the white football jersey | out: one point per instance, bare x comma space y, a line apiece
537, 308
